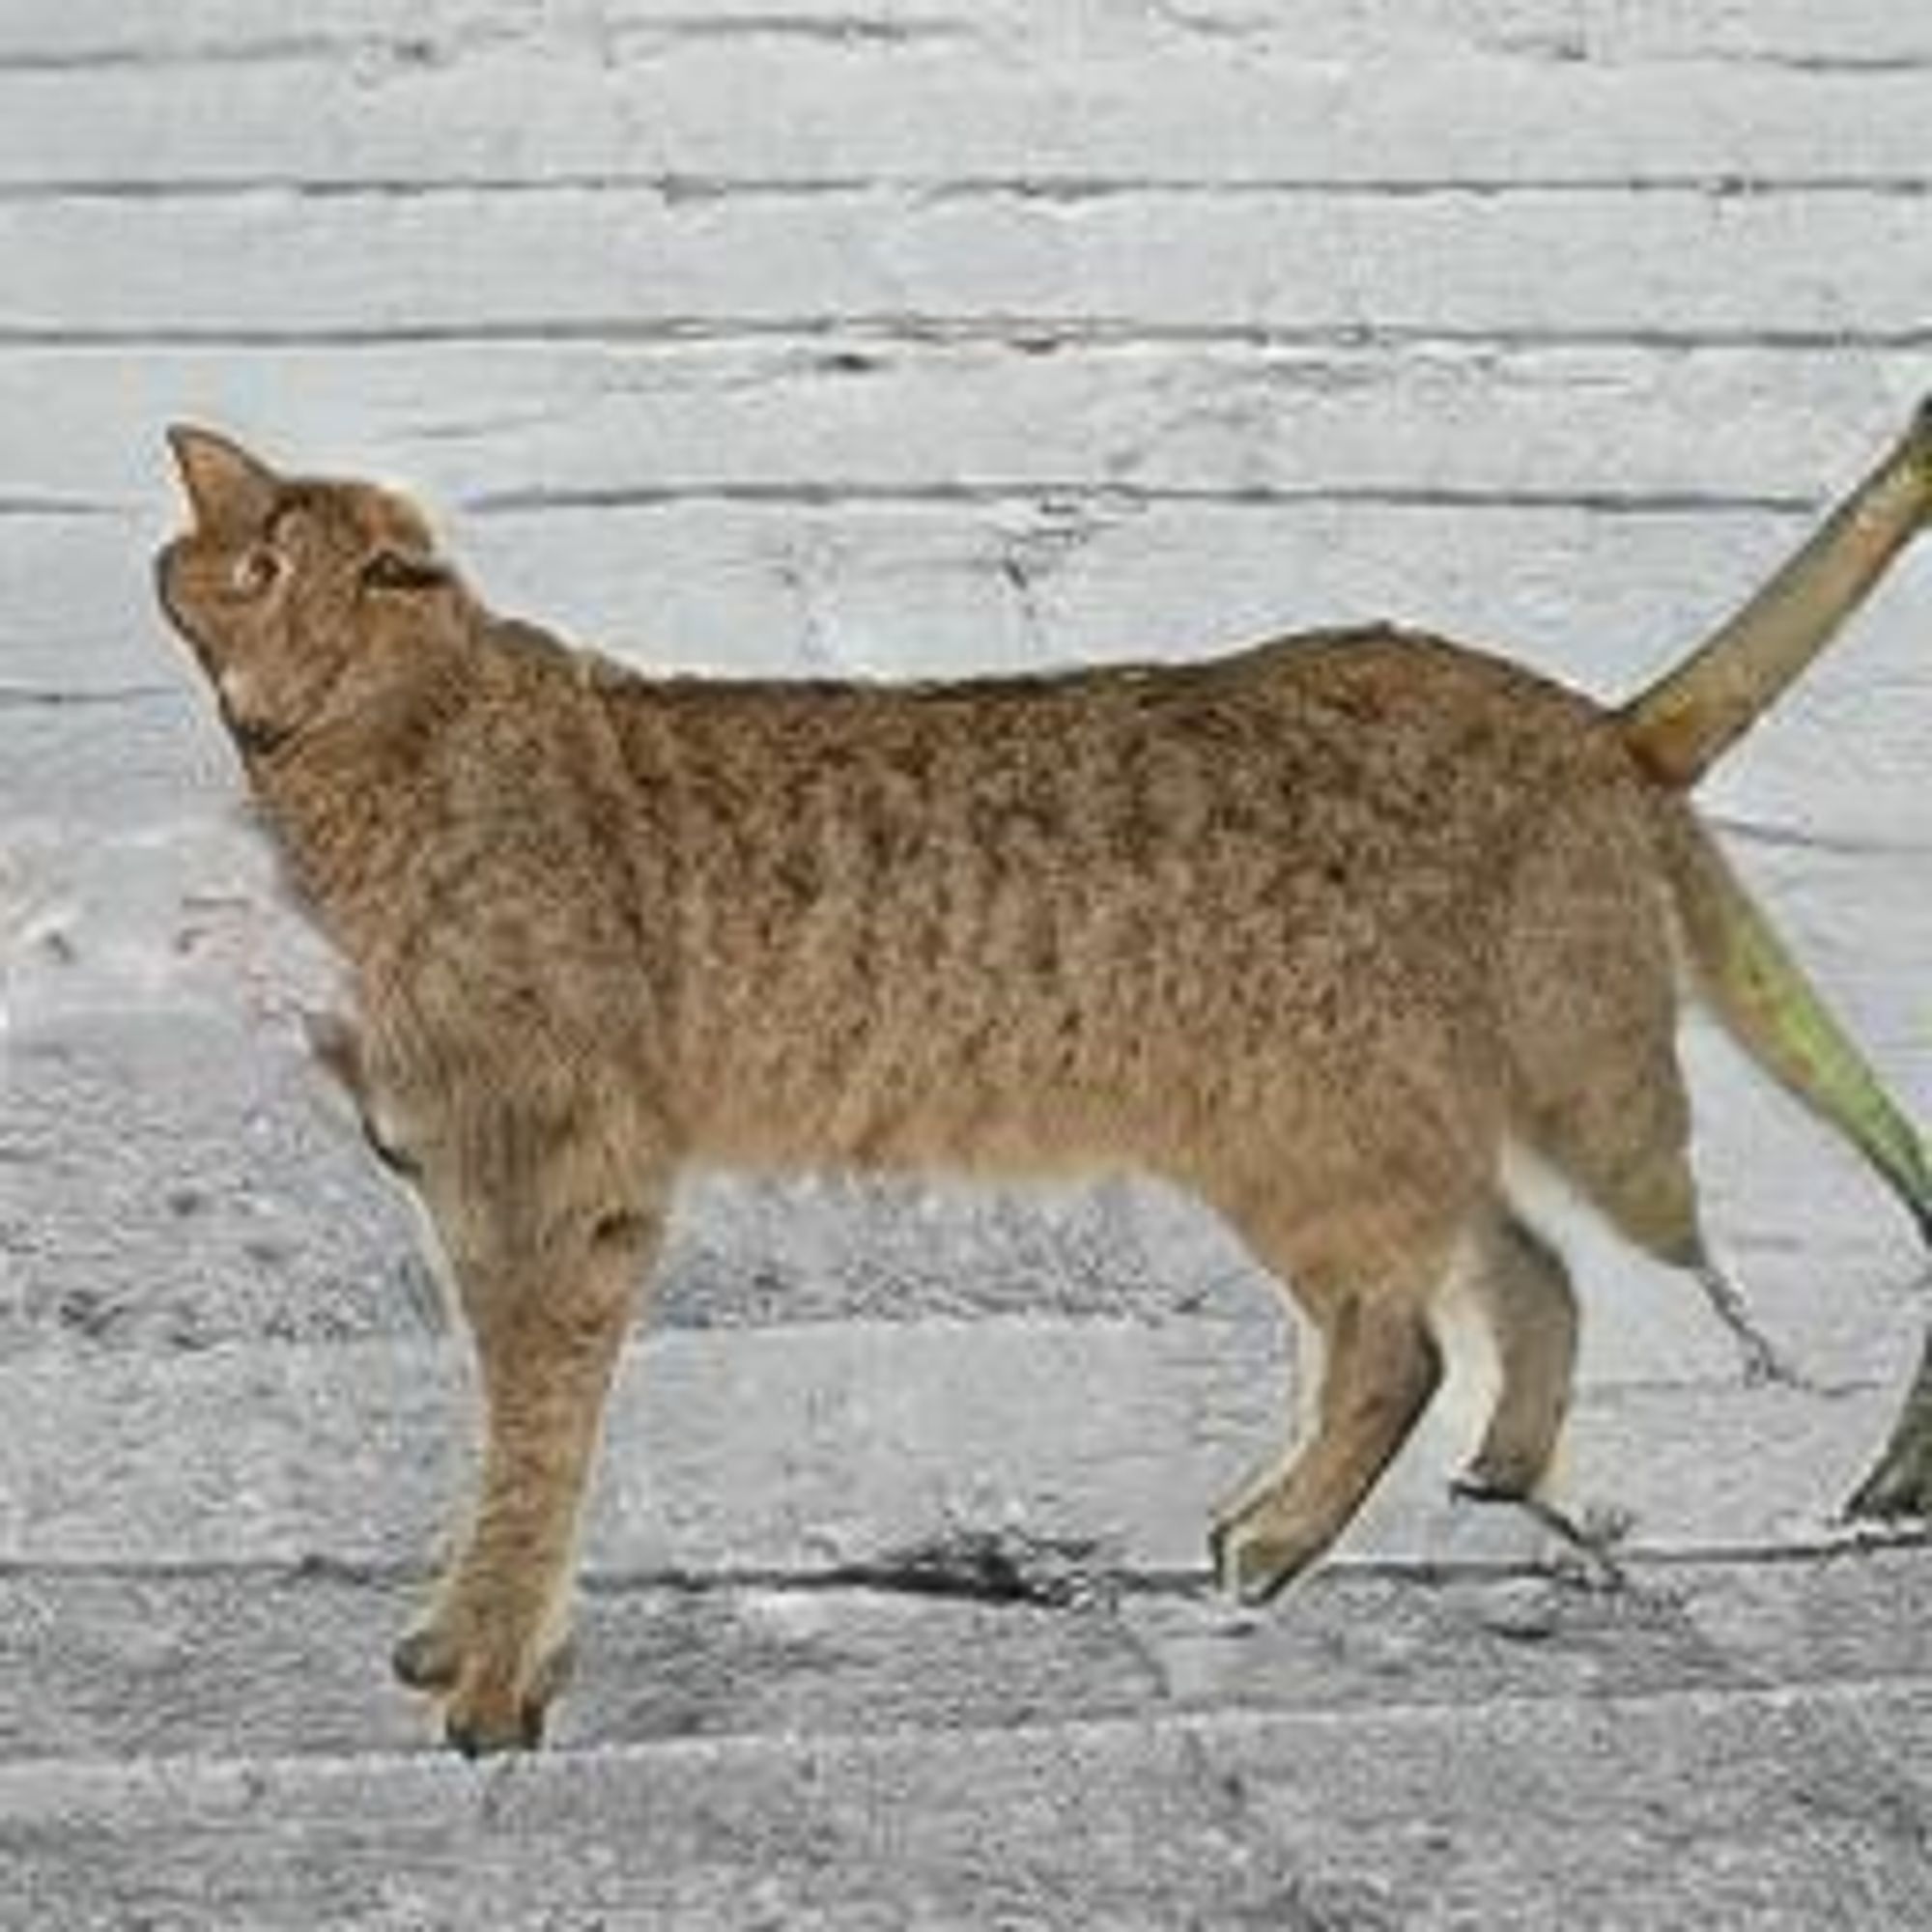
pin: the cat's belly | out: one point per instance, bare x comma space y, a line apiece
1154, 1077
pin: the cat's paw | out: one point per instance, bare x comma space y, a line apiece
495, 1698
1257, 1553
491, 1716
1495, 1477
1900, 1486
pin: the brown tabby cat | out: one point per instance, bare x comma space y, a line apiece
1327, 932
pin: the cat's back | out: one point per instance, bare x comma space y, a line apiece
1336, 733
1327, 791
894, 908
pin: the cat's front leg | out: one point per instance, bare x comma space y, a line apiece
336, 1047
339, 1047
549, 1321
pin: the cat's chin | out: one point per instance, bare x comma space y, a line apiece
165, 564
255, 734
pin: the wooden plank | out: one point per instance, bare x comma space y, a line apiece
119, 1663
784, 1450
525, 259
1855, 35
1203, 107
493, 428
1761, 1807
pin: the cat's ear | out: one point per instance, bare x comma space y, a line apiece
225, 485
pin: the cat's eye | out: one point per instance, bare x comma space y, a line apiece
395, 570
255, 572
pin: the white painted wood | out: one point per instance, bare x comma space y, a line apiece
1831, 269
802, 1449
1736, 1806
120, 1664
1855, 36
495, 428
923, 336
579, 98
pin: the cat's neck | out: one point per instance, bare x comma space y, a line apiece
346, 796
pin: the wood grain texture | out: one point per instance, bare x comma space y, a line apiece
1784, 1808
781, 1450
1078, 103
501, 428
532, 258
285, 1662
1854, 36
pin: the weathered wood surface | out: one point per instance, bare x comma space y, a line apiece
1672, 269
1852, 37
777, 1450
1064, 92
500, 428
1379, 1751
1766, 1807
130, 1661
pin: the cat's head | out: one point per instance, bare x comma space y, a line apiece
283, 585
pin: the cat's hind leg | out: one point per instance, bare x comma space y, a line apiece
1380, 1367
1649, 1194
1522, 1288
1590, 1000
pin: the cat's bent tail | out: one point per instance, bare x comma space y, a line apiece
1761, 995
1686, 721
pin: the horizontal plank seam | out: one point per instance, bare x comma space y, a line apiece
869, 34
677, 188
877, 1578
29, 506
1074, 490
250, 1775
1784, 834
870, 31
1121, 499
38, 697
1030, 335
